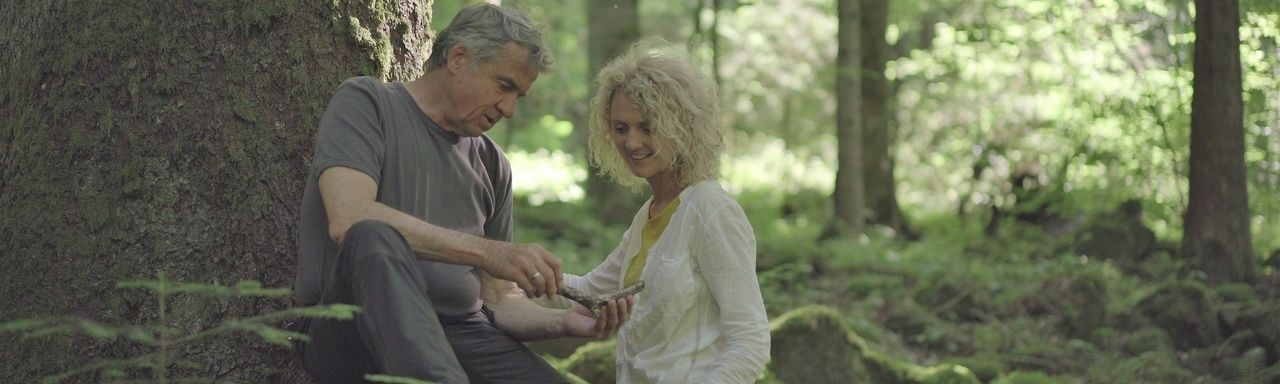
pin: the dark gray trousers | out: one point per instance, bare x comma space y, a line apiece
398, 332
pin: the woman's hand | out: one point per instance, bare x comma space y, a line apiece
581, 322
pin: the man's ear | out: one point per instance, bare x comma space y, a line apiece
459, 57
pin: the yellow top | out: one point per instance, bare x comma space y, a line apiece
652, 230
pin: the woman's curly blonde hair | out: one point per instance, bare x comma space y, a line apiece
679, 102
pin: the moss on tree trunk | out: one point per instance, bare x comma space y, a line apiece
138, 136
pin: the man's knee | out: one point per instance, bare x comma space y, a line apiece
375, 228
376, 237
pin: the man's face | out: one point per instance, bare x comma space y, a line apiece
485, 93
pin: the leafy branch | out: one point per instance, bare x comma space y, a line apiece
163, 339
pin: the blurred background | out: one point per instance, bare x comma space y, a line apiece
1025, 166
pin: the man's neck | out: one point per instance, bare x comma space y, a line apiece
428, 93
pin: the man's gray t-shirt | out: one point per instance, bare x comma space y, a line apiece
454, 182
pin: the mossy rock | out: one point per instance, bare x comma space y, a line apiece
1024, 377
1264, 321
945, 374
814, 345
986, 366
1148, 339
1119, 236
559, 348
594, 362
1185, 311
1079, 302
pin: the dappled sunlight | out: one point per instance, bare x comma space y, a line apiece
767, 165
546, 176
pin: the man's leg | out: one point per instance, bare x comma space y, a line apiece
396, 333
490, 356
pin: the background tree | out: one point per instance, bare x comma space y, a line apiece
1216, 231
140, 136
849, 196
877, 156
611, 28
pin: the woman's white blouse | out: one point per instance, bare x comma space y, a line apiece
700, 318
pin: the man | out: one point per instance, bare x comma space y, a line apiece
407, 214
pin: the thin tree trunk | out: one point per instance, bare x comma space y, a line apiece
612, 26
1216, 232
157, 135
881, 191
849, 191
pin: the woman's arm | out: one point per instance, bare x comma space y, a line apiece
605, 277
726, 254
527, 321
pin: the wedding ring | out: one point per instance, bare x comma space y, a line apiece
535, 275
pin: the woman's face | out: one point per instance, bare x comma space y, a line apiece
634, 141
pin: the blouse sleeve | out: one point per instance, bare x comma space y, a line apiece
726, 254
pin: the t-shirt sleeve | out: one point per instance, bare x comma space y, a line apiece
350, 133
498, 226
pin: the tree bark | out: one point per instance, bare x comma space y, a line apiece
139, 136
877, 158
612, 26
849, 192
1216, 230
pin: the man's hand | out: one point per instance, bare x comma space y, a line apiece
581, 322
531, 267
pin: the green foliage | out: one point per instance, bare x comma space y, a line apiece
394, 379
593, 362
162, 340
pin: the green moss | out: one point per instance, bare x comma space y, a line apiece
818, 336
985, 367
593, 362
946, 374
1183, 308
1021, 377
1148, 339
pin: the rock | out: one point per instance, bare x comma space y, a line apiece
813, 345
1118, 236
594, 362
1183, 309
1146, 340
1264, 322
1079, 302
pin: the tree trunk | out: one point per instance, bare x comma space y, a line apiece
1216, 232
877, 159
611, 28
139, 136
849, 193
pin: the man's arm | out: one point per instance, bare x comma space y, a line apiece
528, 321
349, 197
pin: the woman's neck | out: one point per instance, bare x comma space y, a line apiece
665, 190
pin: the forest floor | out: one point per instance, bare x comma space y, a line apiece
1103, 302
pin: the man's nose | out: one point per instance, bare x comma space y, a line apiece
507, 106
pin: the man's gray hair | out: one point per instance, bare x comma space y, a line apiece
485, 29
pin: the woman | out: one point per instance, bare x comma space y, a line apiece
655, 121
